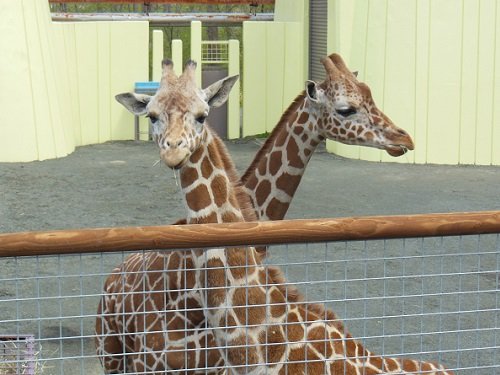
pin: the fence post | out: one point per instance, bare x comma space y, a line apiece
177, 56
233, 105
196, 48
157, 55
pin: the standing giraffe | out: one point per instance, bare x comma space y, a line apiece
258, 330
116, 338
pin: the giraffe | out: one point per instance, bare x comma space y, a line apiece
258, 329
217, 191
341, 109
149, 319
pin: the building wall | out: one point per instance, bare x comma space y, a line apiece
59, 80
274, 65
434, 68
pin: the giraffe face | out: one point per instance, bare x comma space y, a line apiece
178, 122
346, 111
178, 111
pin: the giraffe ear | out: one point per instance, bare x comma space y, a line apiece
312, 91
217, 93
135, 103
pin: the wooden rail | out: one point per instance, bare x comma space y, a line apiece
251, 233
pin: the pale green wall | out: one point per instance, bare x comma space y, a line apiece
233, 103
434, 68
59, 80
275, 65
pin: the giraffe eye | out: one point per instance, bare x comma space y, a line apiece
153, 118
201, 119
346, 112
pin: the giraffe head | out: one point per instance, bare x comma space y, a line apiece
178, 111
346, 112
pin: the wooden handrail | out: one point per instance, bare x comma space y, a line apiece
251, 233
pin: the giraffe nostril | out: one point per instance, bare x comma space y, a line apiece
179, 143
167, 143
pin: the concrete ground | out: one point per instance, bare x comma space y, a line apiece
120, 184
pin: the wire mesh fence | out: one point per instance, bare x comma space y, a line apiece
430, 299
214, 52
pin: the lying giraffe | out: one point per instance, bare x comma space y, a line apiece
286, 138
258, 329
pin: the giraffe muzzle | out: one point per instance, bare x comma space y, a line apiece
400, 143
174, 158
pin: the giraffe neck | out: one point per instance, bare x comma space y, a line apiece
277, 169
210, 186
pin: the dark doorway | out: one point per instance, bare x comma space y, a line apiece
217, 117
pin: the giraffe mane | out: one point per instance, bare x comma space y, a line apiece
268, 144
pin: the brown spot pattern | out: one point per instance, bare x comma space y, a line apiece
216, 281
275, 349
229, 217
304, 116
278, 307
274, 162
320, 341
196, 156
198, 198
216, 159
288, 183
281, 139
262, 192
188, 176
220, 190
293, 330
252, 301
206, 168
275, 209
293, 154
242, 351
